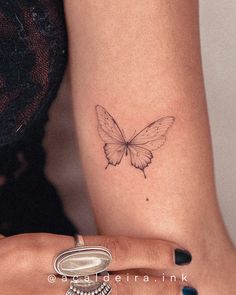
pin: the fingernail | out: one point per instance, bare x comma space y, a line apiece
182, 257
189, 291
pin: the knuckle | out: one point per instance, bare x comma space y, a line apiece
118, 247
19, 255
25, 249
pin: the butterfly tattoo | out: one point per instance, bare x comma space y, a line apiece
139, 146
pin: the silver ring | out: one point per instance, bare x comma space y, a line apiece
84, 261
82, 288
79, 240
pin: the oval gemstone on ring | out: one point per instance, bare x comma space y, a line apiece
82, 261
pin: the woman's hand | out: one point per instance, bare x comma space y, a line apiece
27, 264
144, 266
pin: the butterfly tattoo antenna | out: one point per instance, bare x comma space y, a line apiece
125, 142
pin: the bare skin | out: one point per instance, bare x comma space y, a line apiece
141, 61
33, 253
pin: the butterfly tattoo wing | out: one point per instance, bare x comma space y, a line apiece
111, 134
149, 139
140, 147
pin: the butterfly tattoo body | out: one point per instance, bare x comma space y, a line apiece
139, 147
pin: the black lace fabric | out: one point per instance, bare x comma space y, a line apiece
33, 55
32, 59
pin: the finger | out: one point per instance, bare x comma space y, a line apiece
144, 284
127, 253
133, 253
38, 250
51, 246
126, 284
59, 287
139, 285
39, 285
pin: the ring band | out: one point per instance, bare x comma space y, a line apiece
79, 240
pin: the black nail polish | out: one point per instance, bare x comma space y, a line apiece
189, 291
182, 257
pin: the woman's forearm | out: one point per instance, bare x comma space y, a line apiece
141, 61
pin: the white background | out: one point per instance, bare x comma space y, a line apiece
218, 37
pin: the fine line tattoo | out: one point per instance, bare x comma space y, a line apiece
139, 146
